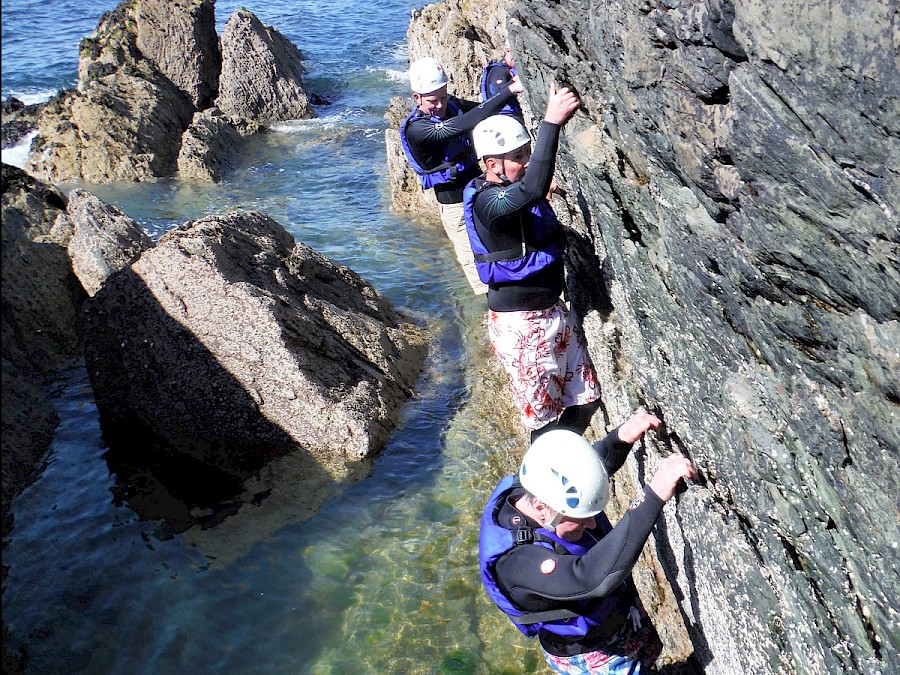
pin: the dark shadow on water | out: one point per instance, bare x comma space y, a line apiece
183, 434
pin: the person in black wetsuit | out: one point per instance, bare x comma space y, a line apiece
435, 138
518, 243
551, 560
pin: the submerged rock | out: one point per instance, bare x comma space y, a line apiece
262, 73
227, 345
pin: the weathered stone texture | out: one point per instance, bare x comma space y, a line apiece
262, 73
104, 240
209, 147
41, 297
232, 346
180, 38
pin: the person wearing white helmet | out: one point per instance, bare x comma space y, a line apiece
517, 243
552, 561
435, 138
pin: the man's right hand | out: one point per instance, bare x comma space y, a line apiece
515, 86
561, 103
672, 470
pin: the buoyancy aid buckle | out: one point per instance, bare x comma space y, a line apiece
524, 535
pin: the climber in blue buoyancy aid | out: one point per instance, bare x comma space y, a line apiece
551, 560
496, 75
436, 139
517, 243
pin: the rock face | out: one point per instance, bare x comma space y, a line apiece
124, 122
261, 73
104, 240
732, 181
228, 345
147, 80
209, 147
180, 39
41, 297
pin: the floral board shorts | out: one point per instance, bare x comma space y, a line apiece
630, 650
545, 358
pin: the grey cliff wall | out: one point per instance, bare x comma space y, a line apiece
732, 198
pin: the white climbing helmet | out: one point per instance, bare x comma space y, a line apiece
426, 75
564, 471
497, 135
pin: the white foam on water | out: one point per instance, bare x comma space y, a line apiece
17, 154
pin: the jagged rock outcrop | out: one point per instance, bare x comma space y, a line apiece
262, 73
732, 200
228, 345
209, 147
18, 120
125, 120
180, 39
104, 240
145, 75
41, 297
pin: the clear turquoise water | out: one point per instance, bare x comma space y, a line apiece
384, 578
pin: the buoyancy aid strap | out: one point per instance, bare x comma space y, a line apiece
550, 615
507, 254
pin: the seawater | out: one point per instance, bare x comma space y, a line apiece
384, 578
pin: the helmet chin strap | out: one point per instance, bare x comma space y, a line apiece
557, 519
502, 176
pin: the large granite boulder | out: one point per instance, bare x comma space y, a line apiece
262, 73
733, 245
227, 345
104, 240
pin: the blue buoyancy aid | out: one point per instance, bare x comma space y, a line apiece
520, 261
458, 153
495, 540
512, 107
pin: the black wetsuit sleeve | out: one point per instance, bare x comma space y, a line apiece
523, 571
423, 131
502, 201
613, 452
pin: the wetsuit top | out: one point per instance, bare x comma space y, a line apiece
520, 573
427, 138
495, 76
497, 213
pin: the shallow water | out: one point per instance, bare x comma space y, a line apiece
384, 579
